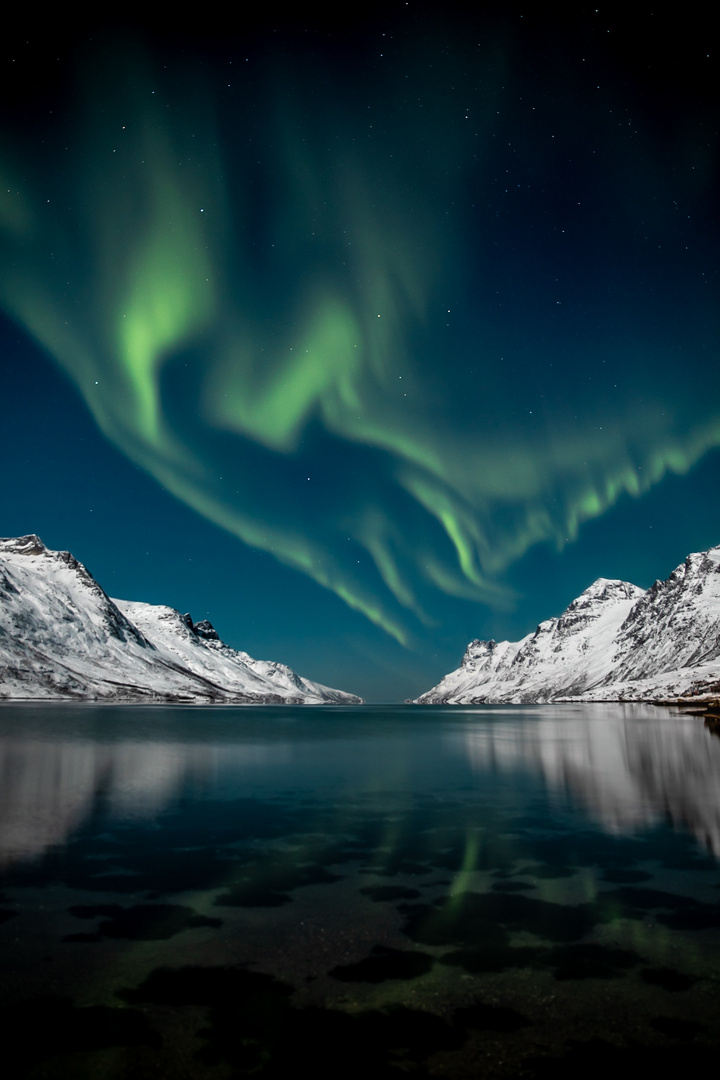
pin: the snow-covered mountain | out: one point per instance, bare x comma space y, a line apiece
615, 642
61, 636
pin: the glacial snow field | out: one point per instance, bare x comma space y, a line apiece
614, 642
62, 637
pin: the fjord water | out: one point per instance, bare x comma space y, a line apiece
371, 891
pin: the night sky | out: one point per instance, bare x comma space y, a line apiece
363, 336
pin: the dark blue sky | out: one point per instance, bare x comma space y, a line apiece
363, 338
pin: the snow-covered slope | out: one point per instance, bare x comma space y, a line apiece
61, 636
615, 642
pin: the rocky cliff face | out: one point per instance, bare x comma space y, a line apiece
614, 642
61, 636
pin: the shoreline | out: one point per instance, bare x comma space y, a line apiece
707, 708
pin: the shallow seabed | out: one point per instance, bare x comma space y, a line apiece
381, 891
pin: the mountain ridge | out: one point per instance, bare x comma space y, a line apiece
613, 642
63, 638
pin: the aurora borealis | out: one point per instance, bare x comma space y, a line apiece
408, 321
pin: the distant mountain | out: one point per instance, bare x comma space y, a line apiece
615, 642
62, 637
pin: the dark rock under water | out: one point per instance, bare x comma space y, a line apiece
366, 892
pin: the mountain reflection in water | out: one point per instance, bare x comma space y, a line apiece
446, 891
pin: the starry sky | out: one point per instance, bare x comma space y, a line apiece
363, 335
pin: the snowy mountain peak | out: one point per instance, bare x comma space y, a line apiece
478, 651
22, 545
615, 641
32, 547
606, 589
203, 629
61, 636
488, 655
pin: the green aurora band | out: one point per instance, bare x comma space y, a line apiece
250, 308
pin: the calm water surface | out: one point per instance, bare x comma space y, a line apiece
363, 892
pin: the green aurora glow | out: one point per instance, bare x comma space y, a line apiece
284, 314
